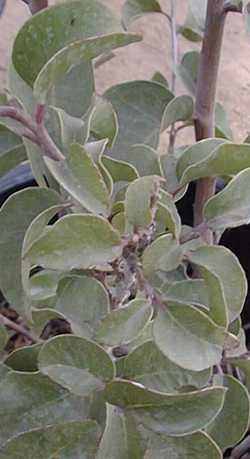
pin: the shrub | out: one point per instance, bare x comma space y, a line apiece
149, 358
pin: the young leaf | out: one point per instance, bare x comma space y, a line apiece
24, 359
167, 216
188, 70
193, 157
188, 337
79, 365
55, 28
147, 365
124, 324
173, 414
232, 422
178, 109
49, 441
120, 439
223, 264
72, 129
145, 159
72, 55
104, 123
81, 178
31, 400
158, 77
225, 159
132, 9
84, 302
164, 254
141, 200
139, 106
231, 207
15, 217
120, 171
222, 127
76, 241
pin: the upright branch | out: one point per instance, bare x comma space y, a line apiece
206, 92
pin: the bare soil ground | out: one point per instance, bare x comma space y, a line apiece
153, 53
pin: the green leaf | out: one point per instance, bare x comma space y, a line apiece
104, 123
145, 159
141, 200
48, 442
243, 364
164, 254
42, 317
120, 171
172, 185
148, 366
4, 337
70, 94
195, 446
194, 25
43, 286
225, 159
12, 150
218, 309
32, 400
173, 414
188, 337
188, 70
72, 129
158, 77
167, 216
222, 127
125, 324
72, 55
139, 106
76, 241
120, 439
178, 109
56, 28
232, 422
231, 207
24, 359
222, 263
193, 292
132, 9
84, 302
79, 365
15, 217
195, 159
81, 178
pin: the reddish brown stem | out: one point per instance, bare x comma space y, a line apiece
206, 95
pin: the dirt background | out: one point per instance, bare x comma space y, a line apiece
140, 61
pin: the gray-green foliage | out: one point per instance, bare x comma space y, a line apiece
135, 378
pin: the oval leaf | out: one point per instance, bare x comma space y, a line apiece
76, 241
178, 109
48, 442
222, 263
81, 178
173, 414
141, 200
133, 9
188, 337
230, 207
124, 324
84, 302
164, 254
231, 424
75, 363
148, 366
